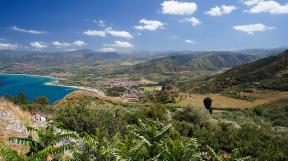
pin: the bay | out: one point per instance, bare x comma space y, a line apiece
32, 86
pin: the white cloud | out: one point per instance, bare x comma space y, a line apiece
107, 50
70, 50
15, 28
190, 41
58, 44
7, 46
151, 25
108, 31
222, 10
120, 44
178, 8
100, 23
193, 20
251, 28
79, 43
251, 2
94, 33
117, 33
268, 6
38, 45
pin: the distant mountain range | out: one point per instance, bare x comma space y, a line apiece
152, 62
55, 58
204, 61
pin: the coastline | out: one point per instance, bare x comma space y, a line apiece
56, 80
89, 89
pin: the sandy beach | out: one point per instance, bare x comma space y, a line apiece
77, 87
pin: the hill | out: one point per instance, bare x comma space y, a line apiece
270, 72
205, 61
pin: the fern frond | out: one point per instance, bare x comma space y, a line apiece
8, 154
67, 135
25, 141
116, 155
244, 159
143, 139
164, 131
213, 154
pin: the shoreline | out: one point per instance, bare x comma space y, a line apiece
56, 80
89, 89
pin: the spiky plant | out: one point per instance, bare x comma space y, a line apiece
93, 147
150, 137
180, 149
6, 153
48, 141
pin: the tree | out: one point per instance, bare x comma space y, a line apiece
42, 100
207, 103
22, 99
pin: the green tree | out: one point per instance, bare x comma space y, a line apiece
22, 99
42, 100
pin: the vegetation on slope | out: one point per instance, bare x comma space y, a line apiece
269, 73
259, 132
211, 61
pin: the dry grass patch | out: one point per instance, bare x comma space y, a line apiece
11, 118
219, 101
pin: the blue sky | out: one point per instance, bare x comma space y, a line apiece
155, 25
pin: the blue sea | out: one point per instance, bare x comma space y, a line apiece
32, 86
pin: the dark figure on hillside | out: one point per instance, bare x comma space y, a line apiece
207, 103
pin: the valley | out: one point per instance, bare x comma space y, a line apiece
116, 94
143, 80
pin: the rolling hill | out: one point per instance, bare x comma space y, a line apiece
270, 72
205, 61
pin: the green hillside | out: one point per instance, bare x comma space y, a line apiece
207, 61
270, 72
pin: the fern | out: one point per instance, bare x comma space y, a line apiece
8, 154
212, 154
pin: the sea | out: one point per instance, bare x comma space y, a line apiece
32, 86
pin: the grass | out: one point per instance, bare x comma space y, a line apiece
150, 88
18, 115
220, 101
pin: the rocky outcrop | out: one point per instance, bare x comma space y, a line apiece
12, 122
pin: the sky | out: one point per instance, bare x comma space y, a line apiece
132, 25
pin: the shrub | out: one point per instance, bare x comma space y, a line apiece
83, 119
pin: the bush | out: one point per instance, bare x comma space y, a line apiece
41, 100
83, 119
116, 91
